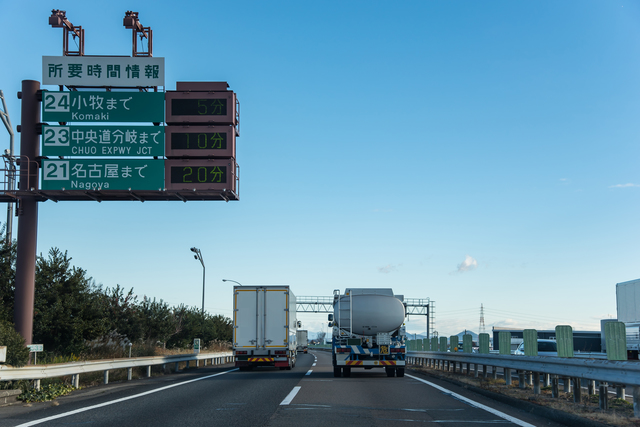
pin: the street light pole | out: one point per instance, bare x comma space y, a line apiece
227, 280
198, 256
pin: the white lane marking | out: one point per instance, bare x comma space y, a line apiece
135, 396
311, 404
447, 421
290, 396
309, 372
313, 364
474, 404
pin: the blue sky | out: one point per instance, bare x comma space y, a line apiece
467, 152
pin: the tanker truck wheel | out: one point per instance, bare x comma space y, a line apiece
391, 372
336, 371
346, 372
400, 372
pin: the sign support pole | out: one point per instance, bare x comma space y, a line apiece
27, 211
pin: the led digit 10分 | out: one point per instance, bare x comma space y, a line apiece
198, 174
199, 107
199, 141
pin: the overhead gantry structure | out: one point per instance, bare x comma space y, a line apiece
413, 307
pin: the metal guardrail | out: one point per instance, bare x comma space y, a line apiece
577, 355
37, 372
610, 371
619, 373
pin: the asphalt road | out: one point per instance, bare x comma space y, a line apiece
307, 395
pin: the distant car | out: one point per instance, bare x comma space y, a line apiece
545, 348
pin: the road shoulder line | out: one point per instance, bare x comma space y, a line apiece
473, 403
123, 399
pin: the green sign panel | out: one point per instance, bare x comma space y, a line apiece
103, 174
530, 338
615, 334
130, 141
443, 344
564, 339
467, 343
484, 343
91, 107
504, 342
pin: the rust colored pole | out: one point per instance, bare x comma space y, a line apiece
28, 211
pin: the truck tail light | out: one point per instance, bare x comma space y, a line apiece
280, 352
241, 352
397, 350
343, 350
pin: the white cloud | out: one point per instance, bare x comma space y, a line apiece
624, 185
468, 264
387, 269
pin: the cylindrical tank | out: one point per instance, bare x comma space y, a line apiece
372, 314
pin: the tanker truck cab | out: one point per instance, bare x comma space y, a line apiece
368, 331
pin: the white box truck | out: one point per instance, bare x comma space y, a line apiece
628, 310
264, 327
628, 301
303, 340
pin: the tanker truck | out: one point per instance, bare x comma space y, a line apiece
368, 331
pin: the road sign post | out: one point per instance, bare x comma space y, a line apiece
35, 349
28, 212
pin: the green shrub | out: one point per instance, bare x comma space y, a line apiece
17, 352
46, 392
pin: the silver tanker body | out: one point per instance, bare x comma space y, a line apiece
369, 311
368, 331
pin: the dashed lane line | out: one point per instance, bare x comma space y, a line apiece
287, 400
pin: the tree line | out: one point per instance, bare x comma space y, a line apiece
74, 316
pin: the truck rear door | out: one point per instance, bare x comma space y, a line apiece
260, 317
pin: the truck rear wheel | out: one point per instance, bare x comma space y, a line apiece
400, 372
336, 371
346, 372
391, 372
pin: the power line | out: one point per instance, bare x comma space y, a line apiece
524, 315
